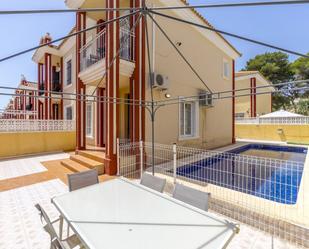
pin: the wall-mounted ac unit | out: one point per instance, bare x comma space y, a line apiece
205, 98
160, 81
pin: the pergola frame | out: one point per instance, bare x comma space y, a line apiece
147, 12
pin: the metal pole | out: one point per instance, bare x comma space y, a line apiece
141, 158
174, 162
118, 157
152, 134
53, 11
151, 92
229, 5
230, 34
67, 36
179, 52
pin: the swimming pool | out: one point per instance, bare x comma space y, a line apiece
267, 171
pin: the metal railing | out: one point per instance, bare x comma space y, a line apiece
56, 87
29, 107
19, 125
274, 120
127, 44
95, 50
266, 193
41, 89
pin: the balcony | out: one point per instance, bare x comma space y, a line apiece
93, 51
29, 107
56, 86
41, 89
92, 62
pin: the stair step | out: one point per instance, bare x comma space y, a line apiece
73, 166
94, 155
89, 163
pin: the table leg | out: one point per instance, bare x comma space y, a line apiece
68, 231
61, 227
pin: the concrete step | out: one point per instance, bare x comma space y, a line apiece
73, 166
94, 155
89, 163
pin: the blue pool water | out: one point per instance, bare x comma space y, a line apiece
260, 175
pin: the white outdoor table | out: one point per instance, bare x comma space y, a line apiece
125, 215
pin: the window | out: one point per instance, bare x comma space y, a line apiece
69, 72
89, 120
226, 69
188, 119
69, 113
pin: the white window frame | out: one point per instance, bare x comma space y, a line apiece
67, 59
226, 62
89, 135
194, 121
65, 108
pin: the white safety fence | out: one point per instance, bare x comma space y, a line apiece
274, 120
266, 193
20, 125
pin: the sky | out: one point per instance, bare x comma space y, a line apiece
284, 26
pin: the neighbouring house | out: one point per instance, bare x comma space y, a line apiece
254, 103
9, 110
23, 104
56, 73
56, 79
50, 80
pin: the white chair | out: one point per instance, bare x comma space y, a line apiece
191, 196
82, 179
68, 243
56, 244
153, 182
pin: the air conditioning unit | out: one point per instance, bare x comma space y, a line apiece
205, 98
160, 81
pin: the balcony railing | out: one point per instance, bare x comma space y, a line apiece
41, 89
56, 87
127, 44
29, 107
18, 125
95, 50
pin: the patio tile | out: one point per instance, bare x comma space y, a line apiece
251, 238
20, 225
26, 166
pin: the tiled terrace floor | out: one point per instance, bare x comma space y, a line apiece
20, 226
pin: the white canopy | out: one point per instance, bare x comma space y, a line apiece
281, 114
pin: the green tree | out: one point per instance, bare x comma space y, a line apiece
303, 107
277, 69
300, 68
274, 66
